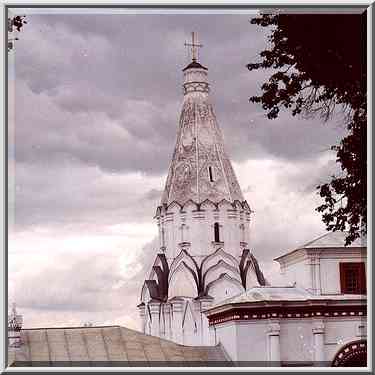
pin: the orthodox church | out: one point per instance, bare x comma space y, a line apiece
204, 226
205, 300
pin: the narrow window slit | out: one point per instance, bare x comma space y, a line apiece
210, 173
216, 232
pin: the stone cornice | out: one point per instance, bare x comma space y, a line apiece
322, 252
197, 207
360, 301
285, 310
299, 255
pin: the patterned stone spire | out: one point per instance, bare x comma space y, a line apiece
200, 167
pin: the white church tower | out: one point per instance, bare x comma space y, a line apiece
204, 226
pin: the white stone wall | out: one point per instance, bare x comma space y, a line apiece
339, 332
180, 320
318, 270
178, 225
297, 271
330, 269
306, 340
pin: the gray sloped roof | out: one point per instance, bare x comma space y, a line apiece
333, 239
330, 240
283, 294
106, 346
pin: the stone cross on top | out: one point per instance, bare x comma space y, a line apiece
194, 45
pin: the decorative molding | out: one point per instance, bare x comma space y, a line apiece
287, 312
273, 328
318, 326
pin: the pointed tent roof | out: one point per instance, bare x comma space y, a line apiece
200, 167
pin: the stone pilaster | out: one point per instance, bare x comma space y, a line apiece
142, 316
318, 339
168, 320
205, 303
273, 334
155, 316
177, 311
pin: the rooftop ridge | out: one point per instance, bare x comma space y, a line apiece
75, 327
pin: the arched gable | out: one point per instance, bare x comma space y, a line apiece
224, 287
216, 256
152, 275
248, 264
214, 272
174, 207
207, 204
182, 282
159, 272
225, 204
238, 205
246, 206
183, 256
190, 206
251, 277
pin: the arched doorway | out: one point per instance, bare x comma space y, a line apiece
353, 354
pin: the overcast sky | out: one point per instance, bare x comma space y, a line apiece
94, 102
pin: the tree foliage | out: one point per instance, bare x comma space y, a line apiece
318, 64
14, 24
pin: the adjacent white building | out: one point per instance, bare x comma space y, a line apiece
325, 266
317, 318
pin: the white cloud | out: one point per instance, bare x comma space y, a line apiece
283, 197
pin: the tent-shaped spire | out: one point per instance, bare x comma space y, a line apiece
200, 167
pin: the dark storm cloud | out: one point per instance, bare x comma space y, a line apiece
94, 116
72, 197
128, 70
104, 91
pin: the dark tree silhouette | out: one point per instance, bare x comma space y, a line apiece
318, 64
14, 23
